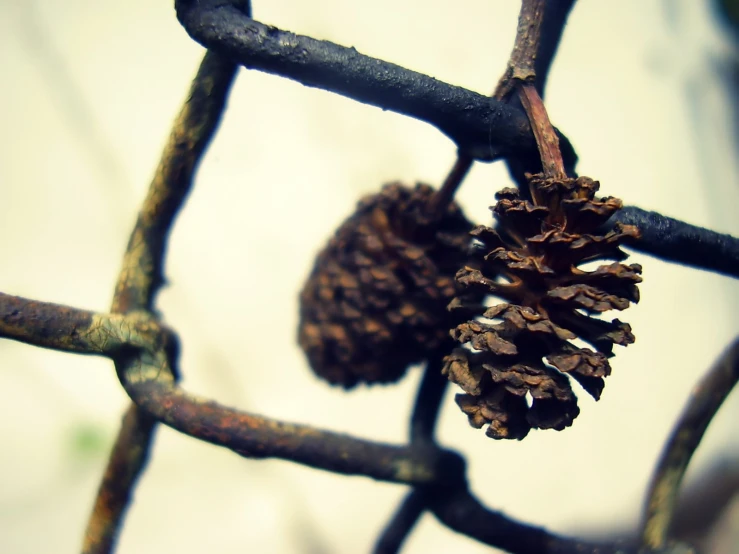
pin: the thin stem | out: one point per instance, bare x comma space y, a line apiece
546, 137
127, 460
141, 277
444, 196
704, 403
402, 523
423, 423
540, 29
556, 13
428, 401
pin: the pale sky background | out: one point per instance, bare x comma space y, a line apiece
89, 91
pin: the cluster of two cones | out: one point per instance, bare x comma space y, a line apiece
394, 284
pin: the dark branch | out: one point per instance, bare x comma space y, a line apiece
423, 423
402, 522
556, 13
255, 436
704, 402
679, 242
459, 510
428, 401
483, 128
125, 463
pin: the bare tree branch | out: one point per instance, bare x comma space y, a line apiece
402, 523
459, 510
679, 242
704, 402
483, 128
254, 436
141, 277
55, 326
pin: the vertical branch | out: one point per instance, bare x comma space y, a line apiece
522, 62
141, 277
428, 401
454, 178
546, 138
540, 27
521, 74
423, 424
704, 402
541, 24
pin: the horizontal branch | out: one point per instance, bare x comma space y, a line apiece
255, 436
57, 327
679, 242
439, 474
67, 329
482, 127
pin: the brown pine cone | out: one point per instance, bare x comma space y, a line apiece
523, 347
376, 299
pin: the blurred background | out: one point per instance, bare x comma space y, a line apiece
646, 91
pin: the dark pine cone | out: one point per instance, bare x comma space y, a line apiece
523, 347
376, 299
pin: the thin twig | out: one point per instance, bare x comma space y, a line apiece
443, 197
141, 277
704, 403
522, 61
521, 75
127, 461
428, 401
552, 27
546, 137
556, 13
402, 523
423, 424
679, 242
530, 52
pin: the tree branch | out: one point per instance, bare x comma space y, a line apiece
458, 509
402, 523
254, 436
55, 326
141, 277
679, 242
704, 403
439, 473
428, 400
483, 128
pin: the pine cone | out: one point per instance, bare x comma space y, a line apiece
376, 299
523, 347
